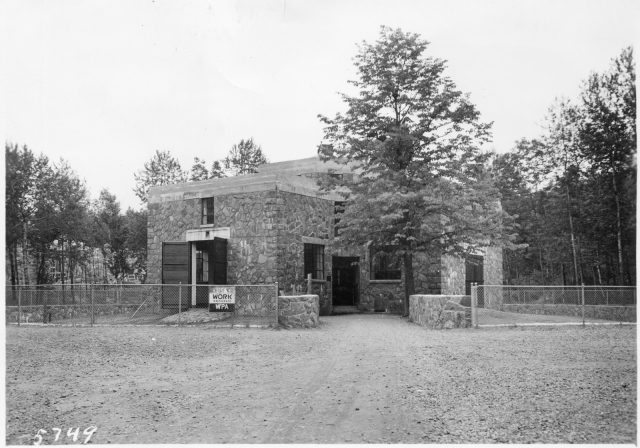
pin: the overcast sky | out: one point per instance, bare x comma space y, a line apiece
104, 84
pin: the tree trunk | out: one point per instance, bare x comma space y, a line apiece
12, 264
618, 221
573, 243
15, 257
409, 286
25, 254
42, 271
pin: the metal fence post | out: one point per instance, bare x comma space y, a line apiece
474, 305
309, 283
19, 304
277, 296
44, 306
582, 292
92, 312
180, 304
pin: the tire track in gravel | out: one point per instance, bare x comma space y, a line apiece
281, 431
356, 393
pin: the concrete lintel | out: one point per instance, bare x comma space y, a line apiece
312, 240
197, 190
207, 234
211, 184
309, 192
208, 191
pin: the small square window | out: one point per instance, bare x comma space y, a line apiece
207, 211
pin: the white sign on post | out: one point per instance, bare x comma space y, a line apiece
222, 299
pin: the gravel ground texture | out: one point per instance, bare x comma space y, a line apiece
355, 379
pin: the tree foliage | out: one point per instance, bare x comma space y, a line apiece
46, 204
112, 234
162, 169
575, 184
413, 140
136, 241
244, 158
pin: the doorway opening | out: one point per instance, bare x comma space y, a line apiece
474, 267
345, 281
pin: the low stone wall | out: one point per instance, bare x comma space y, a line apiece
440, 311
614, 313
299, 311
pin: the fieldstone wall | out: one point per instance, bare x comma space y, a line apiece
167, 221
453, 275
428, 274
382, 294
390, 293
301, 311
323, 291
440, 311
613, 313
302, 219
493, 272
454, 271
268, 230
254, 222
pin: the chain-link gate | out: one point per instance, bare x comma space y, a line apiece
138, 304
522, 305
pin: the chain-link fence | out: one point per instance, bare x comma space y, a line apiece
513, 305
140, 304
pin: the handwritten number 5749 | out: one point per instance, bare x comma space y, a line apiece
70, 433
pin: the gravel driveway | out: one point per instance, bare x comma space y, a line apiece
356, 379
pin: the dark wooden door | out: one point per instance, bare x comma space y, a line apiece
474, 272
219, 264
175, 270
344, 281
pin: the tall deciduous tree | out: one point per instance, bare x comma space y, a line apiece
609, 136
28, 179
162, 169
199, 170
112, 234
244, 158
136, 242
413, 140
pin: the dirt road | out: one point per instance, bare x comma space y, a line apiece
356, 379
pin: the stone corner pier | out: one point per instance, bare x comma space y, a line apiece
440, 311
301, 311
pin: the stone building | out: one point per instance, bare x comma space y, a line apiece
275, 226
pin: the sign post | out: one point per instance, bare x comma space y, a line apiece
222, 299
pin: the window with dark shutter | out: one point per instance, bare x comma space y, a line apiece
314, 261
384, 264
207, 210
